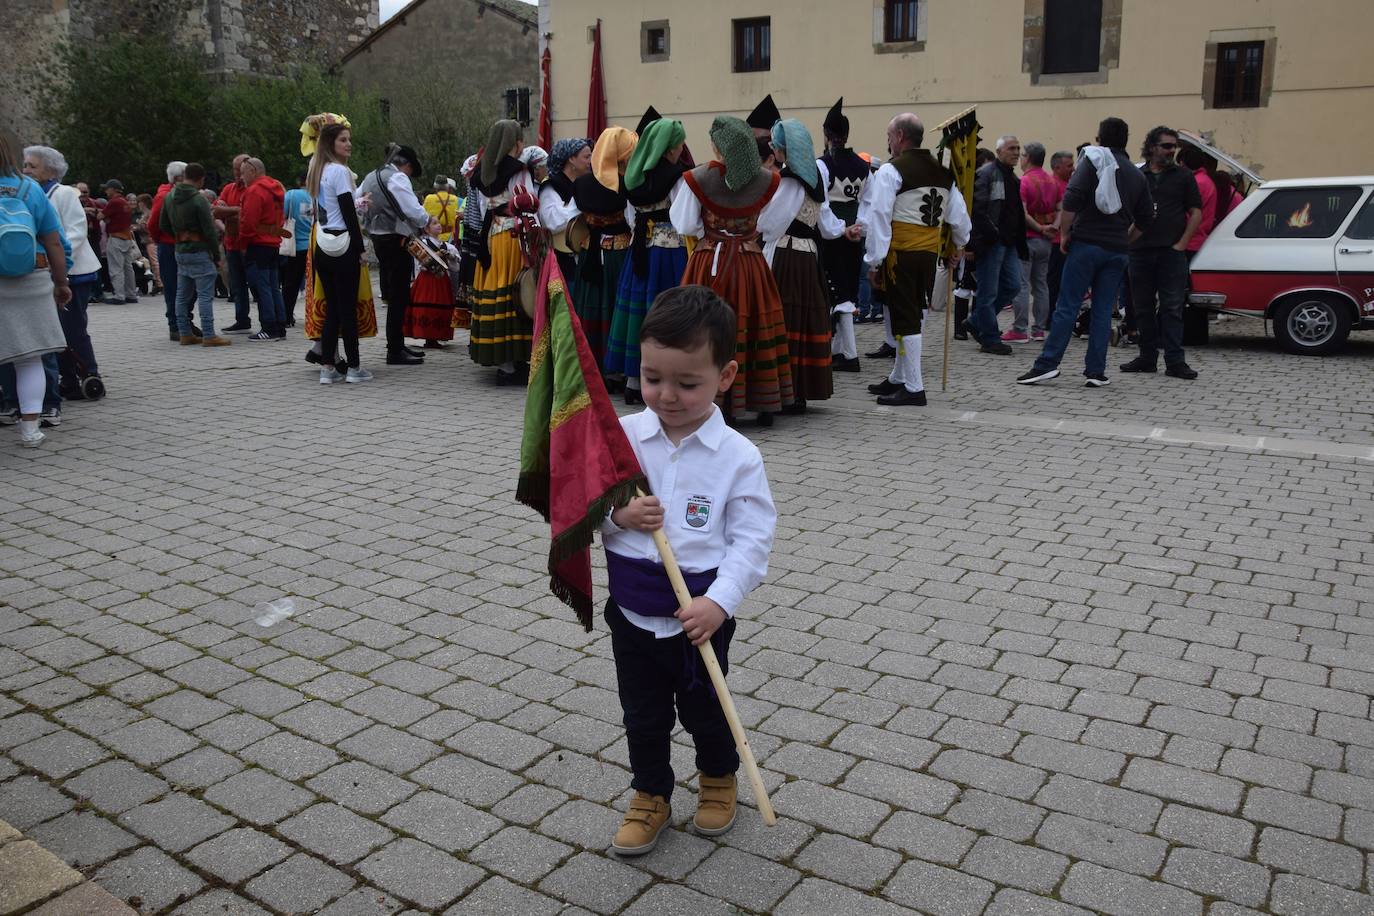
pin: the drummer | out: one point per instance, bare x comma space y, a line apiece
568, 161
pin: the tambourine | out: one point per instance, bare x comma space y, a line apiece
430, 259
526, 291
579, 235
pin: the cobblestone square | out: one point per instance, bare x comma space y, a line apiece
1028, 650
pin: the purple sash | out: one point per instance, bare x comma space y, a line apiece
642, 586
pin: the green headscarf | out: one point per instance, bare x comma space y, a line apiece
500, 139
735, 141
792, 137
659, 137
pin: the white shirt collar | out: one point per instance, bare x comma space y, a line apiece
708, 434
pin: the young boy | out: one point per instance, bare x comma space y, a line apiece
712, 500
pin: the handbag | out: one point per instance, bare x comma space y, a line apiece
336, 246
286, 248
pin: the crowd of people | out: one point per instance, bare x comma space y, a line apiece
802, 246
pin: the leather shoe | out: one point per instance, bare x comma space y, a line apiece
996, 347
883, 352
1139, 364
845, 365
1182, 370
886, 386
904, 398
401, 358
418, 354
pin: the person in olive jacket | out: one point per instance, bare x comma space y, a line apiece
186, 216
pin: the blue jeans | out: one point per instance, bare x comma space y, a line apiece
167, 268
865, 304
1085, 266
260, 262
9, 391
196, 281
999, 283
238, 287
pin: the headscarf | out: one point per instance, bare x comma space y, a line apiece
469, 164
792, 137
564, 150
659, 137
533, 156
311, 127
735, 141
610, 154
503, 135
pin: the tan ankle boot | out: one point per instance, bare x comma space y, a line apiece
715, 804
216, 341
645, 820
189, 340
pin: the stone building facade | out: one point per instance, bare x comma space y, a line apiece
489, 47
260, 37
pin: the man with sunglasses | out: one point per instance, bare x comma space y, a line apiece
1159, 258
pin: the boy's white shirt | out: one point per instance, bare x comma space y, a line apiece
717, 470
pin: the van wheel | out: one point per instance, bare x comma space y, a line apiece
1312, 324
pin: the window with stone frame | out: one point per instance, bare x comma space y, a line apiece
753, 45
1072, 37
900, 21
1240, 69
654, 45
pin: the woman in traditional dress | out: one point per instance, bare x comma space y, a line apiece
721, 203
658, 255
431, 313
792, 227
600, 197
569, 160
501, 332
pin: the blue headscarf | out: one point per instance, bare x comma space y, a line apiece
564, 150
792, 137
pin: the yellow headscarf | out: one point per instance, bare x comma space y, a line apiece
311, 127
611, 154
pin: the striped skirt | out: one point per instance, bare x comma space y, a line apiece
634, 296
593, 297
764, 383
501, 332
314, 300
806, 312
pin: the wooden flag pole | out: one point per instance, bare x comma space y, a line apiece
952, 118
949, 308
727, 703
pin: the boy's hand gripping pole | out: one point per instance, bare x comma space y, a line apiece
727, 703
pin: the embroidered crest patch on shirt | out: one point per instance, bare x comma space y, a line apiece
698, 512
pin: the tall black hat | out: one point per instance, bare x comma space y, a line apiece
835, 122
650, 116
764, 115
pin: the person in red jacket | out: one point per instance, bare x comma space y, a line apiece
167, 246
227, 208
261, 216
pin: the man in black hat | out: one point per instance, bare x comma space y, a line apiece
394, 214
845, 173
650, 116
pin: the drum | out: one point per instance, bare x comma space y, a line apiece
526, 291
425, 251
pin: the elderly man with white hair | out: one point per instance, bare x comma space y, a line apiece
999, 244
48, 167
167, 246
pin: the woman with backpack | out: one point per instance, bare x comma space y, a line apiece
33, 284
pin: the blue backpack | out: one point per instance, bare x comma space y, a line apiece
18, 231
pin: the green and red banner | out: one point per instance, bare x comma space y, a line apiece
575, 462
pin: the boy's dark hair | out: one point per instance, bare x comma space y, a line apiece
194, 171
685, 317
1113, 133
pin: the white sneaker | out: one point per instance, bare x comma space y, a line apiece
329, 375
30, 436
358, 375
9, 417
51, 416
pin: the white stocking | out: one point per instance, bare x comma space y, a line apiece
887, 328
909, 359
843, 342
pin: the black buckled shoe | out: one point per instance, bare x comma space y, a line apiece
886, 386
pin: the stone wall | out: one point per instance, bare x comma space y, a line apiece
262, 37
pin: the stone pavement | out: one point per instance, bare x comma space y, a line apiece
1002, 665
34, 880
